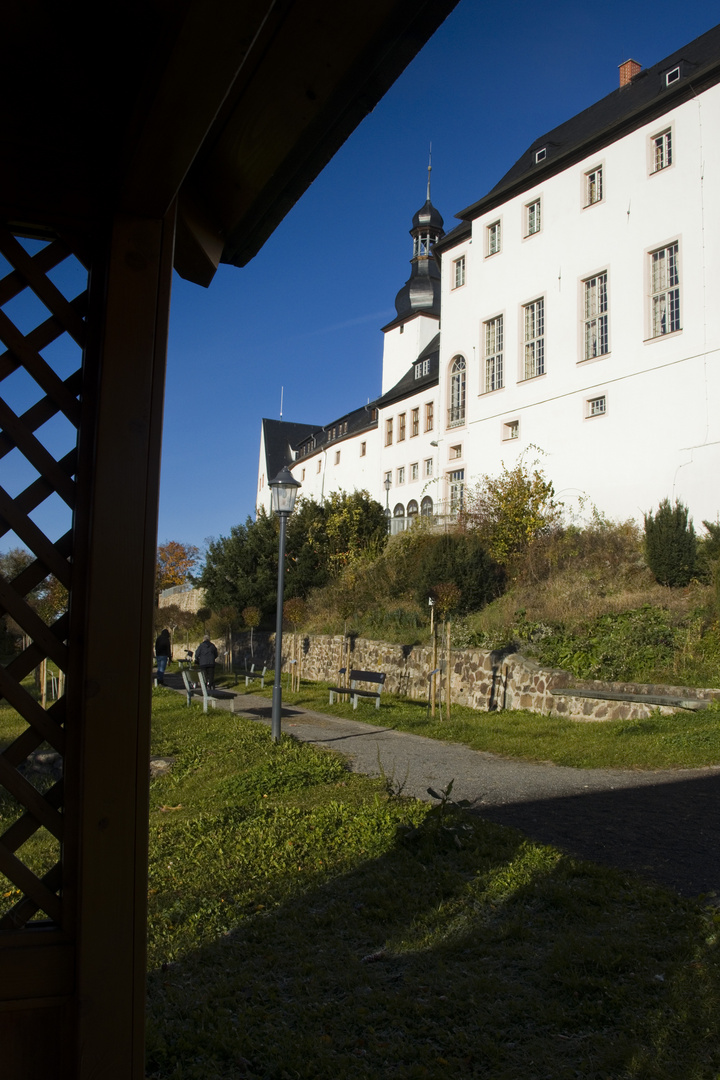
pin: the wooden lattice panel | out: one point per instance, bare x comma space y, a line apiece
43, 298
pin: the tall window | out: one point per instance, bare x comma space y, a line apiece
422, 368
665, 290
459, 272
363, 449
662, 150
594, 186
429, 416
595, 315
388, 432
534, 339
456, 490
494, 354
532, 218
456, 412
493, 238
401, 427
401, 475
428, 466
414, 471
415, 422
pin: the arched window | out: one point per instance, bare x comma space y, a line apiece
426, 507
456, 412
398, 521
412, 510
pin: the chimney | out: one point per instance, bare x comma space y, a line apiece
628, 71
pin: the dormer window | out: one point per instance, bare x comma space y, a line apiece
672, 76
422, 368
540, 155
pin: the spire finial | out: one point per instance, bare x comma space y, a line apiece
429, 171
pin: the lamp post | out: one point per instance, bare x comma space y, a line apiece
388, 485
284, 491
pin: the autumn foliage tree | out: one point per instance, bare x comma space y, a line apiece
175, 564
507, 512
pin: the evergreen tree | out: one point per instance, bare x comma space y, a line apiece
671, 544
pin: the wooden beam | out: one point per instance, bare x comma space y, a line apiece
107, 762
176, 110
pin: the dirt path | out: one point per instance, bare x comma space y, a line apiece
664, 824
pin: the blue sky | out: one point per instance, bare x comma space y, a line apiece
306, 313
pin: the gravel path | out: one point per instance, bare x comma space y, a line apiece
662, 824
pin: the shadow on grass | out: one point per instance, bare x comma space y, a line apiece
669, 832
464, 951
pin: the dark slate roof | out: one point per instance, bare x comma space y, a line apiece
280, 437
350, 423
409, 385
428, 217
625, 109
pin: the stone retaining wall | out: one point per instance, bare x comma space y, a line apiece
478, 678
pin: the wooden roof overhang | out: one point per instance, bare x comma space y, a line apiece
232, 107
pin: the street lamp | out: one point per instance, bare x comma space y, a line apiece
388, 485
284, 492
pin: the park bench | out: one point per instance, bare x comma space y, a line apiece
377, 677
190, 689
252, 674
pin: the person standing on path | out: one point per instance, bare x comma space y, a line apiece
205, 657
163, 654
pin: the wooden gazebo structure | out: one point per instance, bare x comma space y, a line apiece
136, 137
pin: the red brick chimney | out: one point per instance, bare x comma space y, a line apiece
628, 70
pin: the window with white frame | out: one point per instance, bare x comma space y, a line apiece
456, 451
662, 150
401, 427
534, 339
428, 466
595, 316
415, 423
456, 490
665, 291
533, 218
401, 475
596, 406
540, 155
494, 373
493, 238
388, 432
672, 76
594, 186
422, 368
511, 430
388, 478
459, 272
456, 412
414, 471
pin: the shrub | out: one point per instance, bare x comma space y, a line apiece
671, 544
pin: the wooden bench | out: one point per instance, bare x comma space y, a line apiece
252, 674
190, 689
377, 677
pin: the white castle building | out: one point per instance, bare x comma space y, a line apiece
580, 304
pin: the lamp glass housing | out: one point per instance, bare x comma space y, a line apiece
284, 492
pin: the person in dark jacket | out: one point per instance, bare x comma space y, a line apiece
163, 654
205, 657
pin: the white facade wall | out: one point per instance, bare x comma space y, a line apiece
660, 434
402, 345
340, 466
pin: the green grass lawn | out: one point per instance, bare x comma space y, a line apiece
683, 740
304, 922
